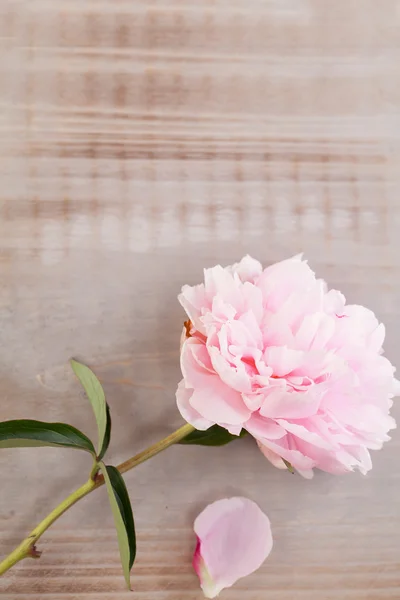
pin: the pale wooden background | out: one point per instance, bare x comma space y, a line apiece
141, 141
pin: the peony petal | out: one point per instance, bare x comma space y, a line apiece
253, 401
248, 269
276, 331
273, 458
200, 354
283, 448
233, 540
315, 331
234, 377
194, 300
307, 331
282, 360
334, 303
190, 415
376, 338
260, 427
195, 363
218, 281
396, 387
218, 402
220, 313
305, 434
335, 462
248, 319
210, 397
278, 281
280, 403
233, 429
253, 301
306, 473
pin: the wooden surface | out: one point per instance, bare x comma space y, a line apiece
141, 141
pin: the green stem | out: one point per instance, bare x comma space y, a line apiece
27, 547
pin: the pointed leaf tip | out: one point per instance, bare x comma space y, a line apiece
96, 396
288, 466
123, 517
22, 433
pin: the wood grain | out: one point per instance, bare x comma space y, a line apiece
141, 141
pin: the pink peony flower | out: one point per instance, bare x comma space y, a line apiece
233, 540
275, 352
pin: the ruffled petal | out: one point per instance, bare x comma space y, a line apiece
187, 411
289, 404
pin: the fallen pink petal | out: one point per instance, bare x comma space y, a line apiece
233, 540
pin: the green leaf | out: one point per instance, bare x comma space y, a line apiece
95, 393
288, 466
25, 432
123, 517
107, 435
214, 436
